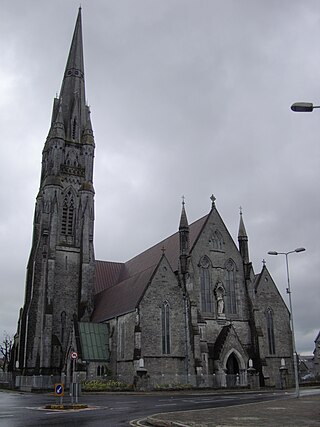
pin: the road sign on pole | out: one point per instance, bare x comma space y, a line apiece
59, 390
74, 355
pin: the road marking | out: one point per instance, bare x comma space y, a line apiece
124, 408
245, 418
5, 415
167, 404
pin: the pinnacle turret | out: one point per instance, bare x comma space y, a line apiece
243, 240
183, 217
242, 229
184, 239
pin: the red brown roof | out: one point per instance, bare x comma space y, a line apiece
107, 274
119, 286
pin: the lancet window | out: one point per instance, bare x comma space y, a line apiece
205, 285
165, 327
67, 215
270, 329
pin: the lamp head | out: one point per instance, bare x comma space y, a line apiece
302, 107
300, 249
272, 253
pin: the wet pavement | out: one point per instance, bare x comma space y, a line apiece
285, 412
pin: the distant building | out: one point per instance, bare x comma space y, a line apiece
189, 309
306, 368
316, 356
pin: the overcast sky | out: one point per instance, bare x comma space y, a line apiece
188, 97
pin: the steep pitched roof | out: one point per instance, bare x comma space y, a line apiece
119, 286
121, 298
107, 274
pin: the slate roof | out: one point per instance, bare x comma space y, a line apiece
120, 286
107, 274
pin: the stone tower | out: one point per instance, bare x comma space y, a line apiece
60, 270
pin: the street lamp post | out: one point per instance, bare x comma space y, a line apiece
295, 362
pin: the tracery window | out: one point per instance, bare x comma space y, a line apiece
270, 329
165, 328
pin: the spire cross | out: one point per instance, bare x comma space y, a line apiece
183, 200
213, 199
240, 208
264, 262
163, 249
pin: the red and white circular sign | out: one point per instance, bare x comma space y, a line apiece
74, 355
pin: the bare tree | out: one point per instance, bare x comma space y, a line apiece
5, 350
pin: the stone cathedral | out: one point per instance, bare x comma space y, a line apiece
190, 309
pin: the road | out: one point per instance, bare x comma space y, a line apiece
113, 410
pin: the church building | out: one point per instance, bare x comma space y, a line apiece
188, 310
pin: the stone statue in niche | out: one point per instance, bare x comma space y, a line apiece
220, 301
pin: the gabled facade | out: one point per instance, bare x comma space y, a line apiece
272, 324
190, 309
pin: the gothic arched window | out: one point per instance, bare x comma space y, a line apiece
270, 329
231, 287
67, 215
165, 327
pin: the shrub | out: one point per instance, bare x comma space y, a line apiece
173, 386
105, 385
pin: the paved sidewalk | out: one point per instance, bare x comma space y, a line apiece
287, 412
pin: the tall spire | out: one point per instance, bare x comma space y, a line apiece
63, 229
72, 93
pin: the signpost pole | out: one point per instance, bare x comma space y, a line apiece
74, 357
59, 391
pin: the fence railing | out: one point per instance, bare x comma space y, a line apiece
144, 382
5, 377
40, 382
162, 381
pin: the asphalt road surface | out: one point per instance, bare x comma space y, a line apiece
112, 410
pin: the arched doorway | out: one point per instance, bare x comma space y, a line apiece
233, 371
232, 365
